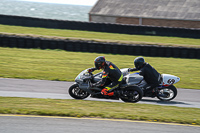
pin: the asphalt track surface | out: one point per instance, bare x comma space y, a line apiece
59, 90
37, 124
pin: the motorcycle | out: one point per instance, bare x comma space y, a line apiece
127, 91
166, 91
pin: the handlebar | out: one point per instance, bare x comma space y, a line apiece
90, 73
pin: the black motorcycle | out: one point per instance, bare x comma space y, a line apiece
127, 91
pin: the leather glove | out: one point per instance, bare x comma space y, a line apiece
91, 70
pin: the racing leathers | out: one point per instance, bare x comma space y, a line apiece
111, 72
151, 76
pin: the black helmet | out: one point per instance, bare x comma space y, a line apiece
99, 62
139, 62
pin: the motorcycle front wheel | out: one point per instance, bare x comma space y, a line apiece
168, 93
132, 94
77, 93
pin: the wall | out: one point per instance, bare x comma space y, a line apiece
99, 27
102, 19
125, 20
171, 23
150, 21
98, 47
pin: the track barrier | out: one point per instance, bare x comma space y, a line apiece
97, 47
99, 27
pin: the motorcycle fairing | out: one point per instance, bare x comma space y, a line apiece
168, 79
133, 78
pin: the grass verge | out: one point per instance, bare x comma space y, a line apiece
64, 66
100, 36
81, 108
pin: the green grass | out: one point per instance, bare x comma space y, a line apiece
81, 108
64, 66
99, 36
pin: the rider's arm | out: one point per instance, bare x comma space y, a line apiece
142, 72
132, 69
91, 69
102, 81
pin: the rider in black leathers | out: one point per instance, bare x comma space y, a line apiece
151, 76
110, 72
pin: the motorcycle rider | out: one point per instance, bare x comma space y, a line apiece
110, 72
151, 76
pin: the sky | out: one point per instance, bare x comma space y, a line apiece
72, 2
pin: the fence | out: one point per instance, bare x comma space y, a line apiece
99, 27
98, 47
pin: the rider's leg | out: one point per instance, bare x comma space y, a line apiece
108, 90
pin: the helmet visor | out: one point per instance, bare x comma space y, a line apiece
98, 65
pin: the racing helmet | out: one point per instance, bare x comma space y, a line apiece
99, 62
139, 62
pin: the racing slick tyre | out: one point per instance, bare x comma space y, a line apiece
77, 93
167, 93
132, 94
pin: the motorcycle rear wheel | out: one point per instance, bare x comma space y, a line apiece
132, 94
169, 93
77, 93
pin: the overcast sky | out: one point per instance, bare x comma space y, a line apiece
73, 2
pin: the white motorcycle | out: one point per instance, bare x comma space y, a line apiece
165, 92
